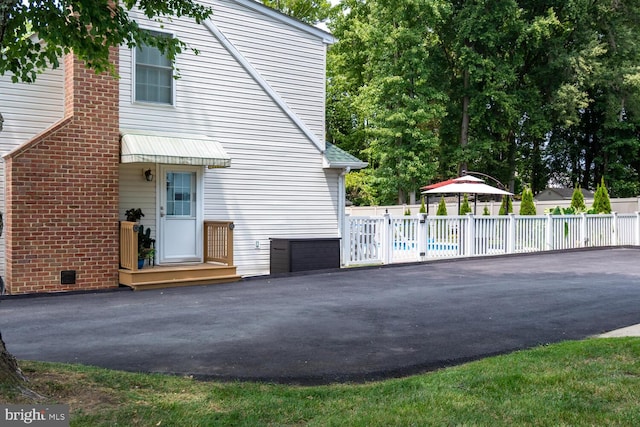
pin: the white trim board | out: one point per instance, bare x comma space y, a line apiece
272, 13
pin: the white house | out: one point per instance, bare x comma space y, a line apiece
237, 138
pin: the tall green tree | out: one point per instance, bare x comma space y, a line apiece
602, 140
347, 120
538, 90
391, 98
484, 51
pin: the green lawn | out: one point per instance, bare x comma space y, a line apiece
592, 382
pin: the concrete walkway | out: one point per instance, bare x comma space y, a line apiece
629, 331
349, 325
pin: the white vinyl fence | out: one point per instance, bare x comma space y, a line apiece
387, 239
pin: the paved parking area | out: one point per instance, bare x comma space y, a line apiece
349, 325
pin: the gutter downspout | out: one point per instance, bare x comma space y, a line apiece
342, 202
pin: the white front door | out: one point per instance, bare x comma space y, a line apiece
180, 238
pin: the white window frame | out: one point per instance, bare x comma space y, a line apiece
134, 77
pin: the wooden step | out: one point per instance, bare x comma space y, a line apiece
181, 283
178, 275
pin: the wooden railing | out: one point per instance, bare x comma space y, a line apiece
129, 245
218, 242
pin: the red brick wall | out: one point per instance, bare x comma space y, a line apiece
62, 193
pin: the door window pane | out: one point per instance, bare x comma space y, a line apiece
180, 197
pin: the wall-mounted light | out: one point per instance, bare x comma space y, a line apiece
148, 175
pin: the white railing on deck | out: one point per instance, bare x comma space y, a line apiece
387, 239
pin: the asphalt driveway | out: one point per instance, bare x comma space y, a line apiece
348, 325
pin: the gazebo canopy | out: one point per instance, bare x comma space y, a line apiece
466, 184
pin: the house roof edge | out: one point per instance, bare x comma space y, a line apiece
326, 37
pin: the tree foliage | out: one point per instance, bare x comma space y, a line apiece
309, 11
383, 105
358, 188
538, 91
34, 35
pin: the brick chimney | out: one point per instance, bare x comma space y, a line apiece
61, 220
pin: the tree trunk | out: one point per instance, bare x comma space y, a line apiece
412, 198
511, 138
464, 128
10, 374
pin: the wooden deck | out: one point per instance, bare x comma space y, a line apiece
162, 276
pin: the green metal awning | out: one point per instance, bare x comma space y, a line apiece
174, 149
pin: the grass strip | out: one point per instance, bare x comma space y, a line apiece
590, 382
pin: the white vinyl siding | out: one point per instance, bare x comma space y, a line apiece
137, 192
292, 62
276, 185
28, 109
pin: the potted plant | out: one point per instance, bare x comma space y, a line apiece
146, 245
134, 215
144, 254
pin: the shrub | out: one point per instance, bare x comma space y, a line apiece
527, 207
486, 212
507, 206
423, 207
577, 200
442, 207
601, 202
465, 208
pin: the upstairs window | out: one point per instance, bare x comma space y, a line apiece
154, 75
